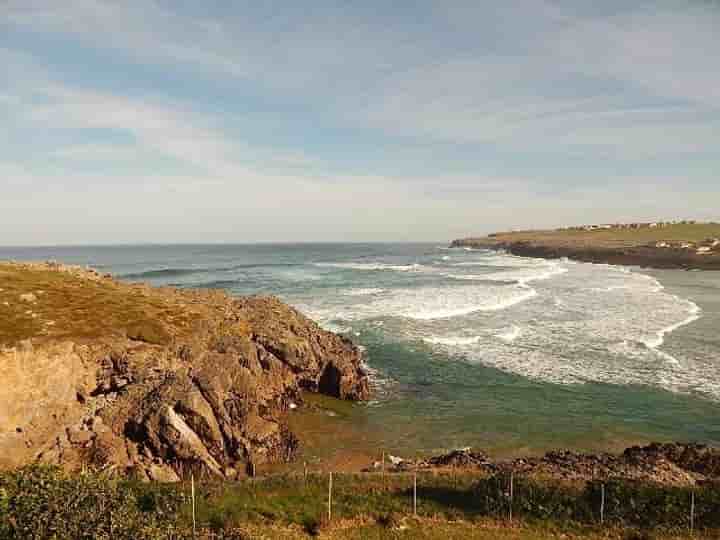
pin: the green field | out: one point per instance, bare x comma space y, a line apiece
616, 237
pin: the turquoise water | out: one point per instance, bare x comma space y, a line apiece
475, 348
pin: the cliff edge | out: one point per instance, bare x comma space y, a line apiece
155, 381
656, 245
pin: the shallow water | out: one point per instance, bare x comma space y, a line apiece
478, 348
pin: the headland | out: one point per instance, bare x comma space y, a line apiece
686, 245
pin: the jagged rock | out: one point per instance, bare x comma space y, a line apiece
670, 464
158, 473
464, 457
79, 436
180, 380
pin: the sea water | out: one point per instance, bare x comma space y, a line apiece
481, 348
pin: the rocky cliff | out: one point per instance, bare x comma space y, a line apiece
591, 251
155, 381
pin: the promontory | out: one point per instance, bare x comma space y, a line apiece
677, 244
155, 381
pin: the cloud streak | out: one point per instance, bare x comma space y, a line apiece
353, 121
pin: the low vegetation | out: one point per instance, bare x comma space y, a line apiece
616, 237
43, 502
44, 304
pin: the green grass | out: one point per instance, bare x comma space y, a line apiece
70, 307
617, 237
43, 502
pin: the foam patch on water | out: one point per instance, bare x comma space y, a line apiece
511, 334
527, 275
656, 342
428, 303
452, 341
372, 266
363, 292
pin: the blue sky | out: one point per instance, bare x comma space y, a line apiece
178, 121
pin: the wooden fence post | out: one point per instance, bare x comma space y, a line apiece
602, 503
512, 488
415, 492
192, 497
382, 468
304, 473
330, 497
692, 510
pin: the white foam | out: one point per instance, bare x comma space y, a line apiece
468, 277
452, 341
429, 303
596, 323
363, 292
335, 327
660, 339
529, 275
446, 257
371, 266
510, 335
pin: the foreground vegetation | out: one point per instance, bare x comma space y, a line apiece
43, 502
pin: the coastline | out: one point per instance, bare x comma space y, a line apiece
155, 381
641, 256
127, 377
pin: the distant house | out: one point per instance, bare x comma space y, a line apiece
704, 250
662, 245
686, 245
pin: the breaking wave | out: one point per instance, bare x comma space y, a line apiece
363, 292
459, 341
372, 266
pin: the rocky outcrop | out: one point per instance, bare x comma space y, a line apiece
191, 380
664, 463
632, 255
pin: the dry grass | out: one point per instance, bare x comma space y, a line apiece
441, 529
613, 238
70, 307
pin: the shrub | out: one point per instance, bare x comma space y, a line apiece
42, 502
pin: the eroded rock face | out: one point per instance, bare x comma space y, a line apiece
206, 387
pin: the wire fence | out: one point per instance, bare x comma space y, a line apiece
508, 496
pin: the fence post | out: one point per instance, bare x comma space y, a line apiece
382, 468
512, 488
330, 497
602, 503
415, 492
192, 497
692, 510
304, 473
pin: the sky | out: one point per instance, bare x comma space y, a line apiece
181, 121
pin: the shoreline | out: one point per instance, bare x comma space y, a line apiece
128, 371
640, 256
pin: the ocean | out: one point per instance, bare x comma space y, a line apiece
478, 348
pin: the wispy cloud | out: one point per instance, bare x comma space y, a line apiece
360, 121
